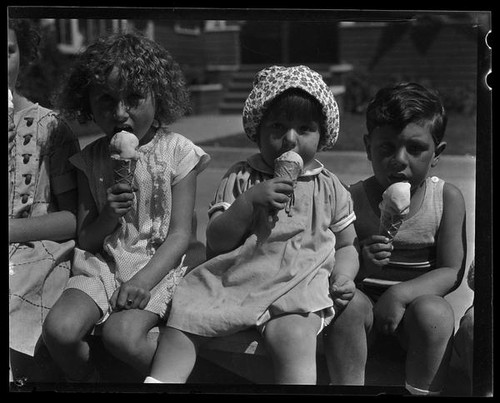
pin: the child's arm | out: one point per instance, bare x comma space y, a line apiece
168, 255
226, 230
346, 267
92, 226
451, 248
57, 226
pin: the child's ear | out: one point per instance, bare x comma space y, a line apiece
437, 153
367, 141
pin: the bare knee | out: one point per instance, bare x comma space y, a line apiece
122, 333
63, 330
357, 314
430, 316
292, 332
70, 319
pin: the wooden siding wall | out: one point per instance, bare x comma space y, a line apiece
222, 47
207, 48
450, 62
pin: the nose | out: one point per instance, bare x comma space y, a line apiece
120, 112
399, 160
290, 139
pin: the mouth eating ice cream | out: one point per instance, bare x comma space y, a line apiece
394, 206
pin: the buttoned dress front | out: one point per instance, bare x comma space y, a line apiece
162, 163
283, 265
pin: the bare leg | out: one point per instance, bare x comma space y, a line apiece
125, 335
346, 342
175, 356
428, 326
68, 323
464, 342
291, 341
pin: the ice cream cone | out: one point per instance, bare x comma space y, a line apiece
123, 170
394, 207
123, 149
389, 225
289, 165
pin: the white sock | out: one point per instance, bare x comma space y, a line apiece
420, 392
150, 379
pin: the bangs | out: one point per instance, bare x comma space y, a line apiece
299, 104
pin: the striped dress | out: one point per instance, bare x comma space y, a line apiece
415, 243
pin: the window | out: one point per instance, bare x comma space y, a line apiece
73, 34
221, 25
188, 27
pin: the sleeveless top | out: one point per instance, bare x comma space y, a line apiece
415, 243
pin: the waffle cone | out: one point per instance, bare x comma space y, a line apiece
287, 169
123, 170
389, 225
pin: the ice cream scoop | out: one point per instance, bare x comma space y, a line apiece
124, 145
289, 165
394, 206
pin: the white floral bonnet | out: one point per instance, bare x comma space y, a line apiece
272, 81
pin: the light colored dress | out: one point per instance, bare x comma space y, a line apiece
39, 169
278, 269
162, 163
415, 243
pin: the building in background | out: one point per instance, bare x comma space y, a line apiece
220, 57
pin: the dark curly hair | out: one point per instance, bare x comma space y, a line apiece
143, 67
406, 103
28, 40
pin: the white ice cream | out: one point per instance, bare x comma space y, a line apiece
396, 199
123, 145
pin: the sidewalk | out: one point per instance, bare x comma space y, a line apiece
197, 128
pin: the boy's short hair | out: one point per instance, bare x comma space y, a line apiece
405, 103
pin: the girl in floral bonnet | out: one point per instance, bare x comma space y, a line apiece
282, 250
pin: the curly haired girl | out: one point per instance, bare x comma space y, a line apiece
132, 237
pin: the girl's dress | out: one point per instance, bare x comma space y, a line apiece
39, 169
162, 163
278, 269
415, 243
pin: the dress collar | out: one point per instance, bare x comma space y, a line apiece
257, 162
